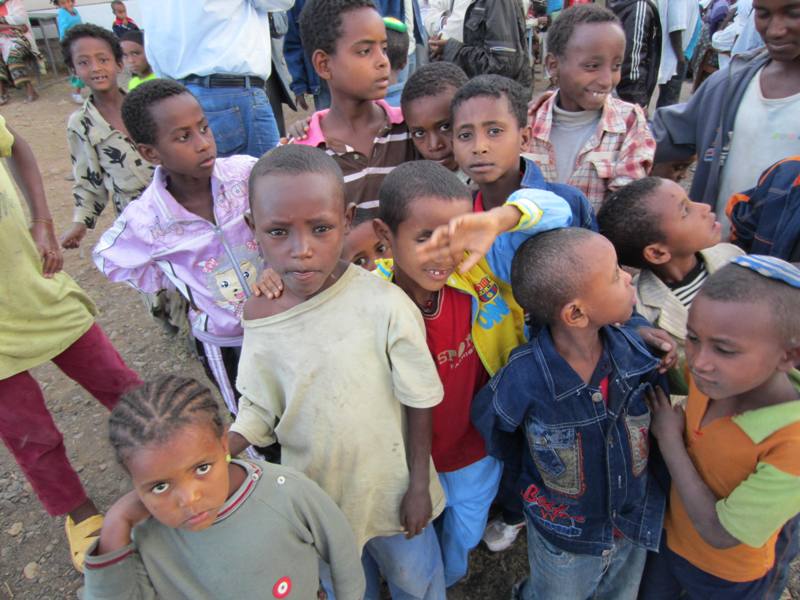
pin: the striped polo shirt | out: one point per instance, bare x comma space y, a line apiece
751, 462
363, 175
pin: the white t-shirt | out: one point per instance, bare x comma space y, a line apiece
675, 15
408, 9
569, 133
764, 132
329, 379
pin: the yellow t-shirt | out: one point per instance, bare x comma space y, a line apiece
329, 378
39, 318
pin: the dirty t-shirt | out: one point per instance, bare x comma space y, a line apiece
329, 379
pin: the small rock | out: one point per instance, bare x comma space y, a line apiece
31, 570
15, 529
103, 466
49, 548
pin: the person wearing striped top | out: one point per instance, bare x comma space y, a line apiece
655, 227
734, 456
346, 41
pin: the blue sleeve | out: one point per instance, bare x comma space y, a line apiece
582, 212
391, 8
541, 210
293, 51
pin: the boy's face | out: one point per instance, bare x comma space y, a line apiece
487, 139
133, 57
591, 66
93, 62
183, 481
184, 143
607, 296
423, 216
359, 68
120, 11
428, 121
729, 355
363, 247
300, 222
687, 226
778, 24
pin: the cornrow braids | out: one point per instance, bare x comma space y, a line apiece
154, 411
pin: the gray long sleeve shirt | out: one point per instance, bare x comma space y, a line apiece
265, 543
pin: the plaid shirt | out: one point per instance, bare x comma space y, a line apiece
620, 151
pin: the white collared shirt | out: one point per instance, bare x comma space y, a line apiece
205, 37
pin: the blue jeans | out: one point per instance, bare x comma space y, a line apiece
412, 568
786, 550
668, 575
323, 99
559, 574
469, 492
240, 118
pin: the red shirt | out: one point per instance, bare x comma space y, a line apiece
456, 443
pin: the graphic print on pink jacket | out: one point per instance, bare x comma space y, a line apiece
211, 264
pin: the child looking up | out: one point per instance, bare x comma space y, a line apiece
337, 370
105, 160
122, 22
676, 244
489, 132
346, 42
472, 322
426, 101
46, 317
576, 394
397, 52
188, 227
67, 17
134, 58
733, 455
582, 135
200, 525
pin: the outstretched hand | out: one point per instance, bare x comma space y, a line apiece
470, 233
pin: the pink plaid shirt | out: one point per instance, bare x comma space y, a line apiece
620, 151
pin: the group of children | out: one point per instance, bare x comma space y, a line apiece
497, 354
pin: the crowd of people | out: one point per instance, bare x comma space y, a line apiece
440, 297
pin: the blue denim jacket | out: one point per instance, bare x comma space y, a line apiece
584, 465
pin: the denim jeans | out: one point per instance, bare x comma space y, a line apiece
469, 493
559, 574
240, 118
412, 568
786, 550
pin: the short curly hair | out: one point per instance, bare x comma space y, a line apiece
495, 86
87, 30
431, 80
321, 23
137, 104
627, 222
560, 32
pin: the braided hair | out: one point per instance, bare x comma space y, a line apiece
157, 409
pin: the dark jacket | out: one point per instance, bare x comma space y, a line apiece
494, 41
582, 213
642, 49
584, 465
766, 218
703, 125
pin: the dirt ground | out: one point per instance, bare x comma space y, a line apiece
34, 562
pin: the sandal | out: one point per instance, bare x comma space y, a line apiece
80, 536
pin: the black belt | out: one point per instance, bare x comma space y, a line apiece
225, 81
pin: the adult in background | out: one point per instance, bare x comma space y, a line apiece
220, 50
678, 21
18, 50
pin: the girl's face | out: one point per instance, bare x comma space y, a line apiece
591, 66
185, 480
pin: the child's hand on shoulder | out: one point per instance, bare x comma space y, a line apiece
119, 521
668, 422
661, 344
269, 285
